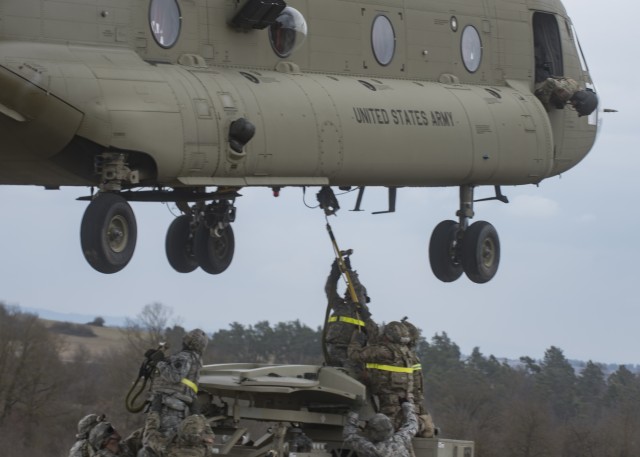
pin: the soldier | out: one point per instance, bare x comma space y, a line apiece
382, 440
346, 318
193, 439
388, 366
82, 447
108, 443
426, 428
175, 382
557, 92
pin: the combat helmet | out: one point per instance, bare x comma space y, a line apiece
396, 332
380, 428
193, 429
584, 101
87, 423
100, 434
195, 340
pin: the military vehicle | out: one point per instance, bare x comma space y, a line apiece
304, 405
189, 101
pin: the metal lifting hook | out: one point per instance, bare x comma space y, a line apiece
341, 256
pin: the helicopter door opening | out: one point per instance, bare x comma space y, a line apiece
548, 49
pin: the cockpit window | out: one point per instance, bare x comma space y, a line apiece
548, 48
583, 61
165, 21
288, 32
383, 40
471, 48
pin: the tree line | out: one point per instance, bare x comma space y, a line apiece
540, 408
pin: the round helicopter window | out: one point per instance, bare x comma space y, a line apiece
165, 21
288, 32
471, 48
383, 40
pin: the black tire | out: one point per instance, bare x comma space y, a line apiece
443, 252
108, 233
214, 254
179, 245
480, 252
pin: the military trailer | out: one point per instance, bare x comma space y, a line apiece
301, 410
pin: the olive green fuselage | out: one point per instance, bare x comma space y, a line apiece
80, 78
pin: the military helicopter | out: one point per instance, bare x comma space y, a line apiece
189, 101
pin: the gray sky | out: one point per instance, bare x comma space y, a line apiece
567, 277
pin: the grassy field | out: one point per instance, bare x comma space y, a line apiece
105, 339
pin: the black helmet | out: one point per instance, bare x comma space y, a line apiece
584, 101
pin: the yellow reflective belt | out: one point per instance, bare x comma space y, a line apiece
390, 368
190, 384
417, 367
348, 320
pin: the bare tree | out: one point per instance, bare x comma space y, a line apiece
31, 375
148, 329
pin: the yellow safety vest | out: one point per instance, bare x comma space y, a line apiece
348, 320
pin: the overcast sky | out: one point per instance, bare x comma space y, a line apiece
568, 275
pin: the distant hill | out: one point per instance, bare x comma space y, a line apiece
110, 321
97, 341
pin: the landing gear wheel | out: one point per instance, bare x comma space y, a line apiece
108, 233
179, 245
480, 252
443, 251
214, 254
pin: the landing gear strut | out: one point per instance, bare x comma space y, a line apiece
201, 237
456, 247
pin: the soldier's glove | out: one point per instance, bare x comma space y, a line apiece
156, 356
359, 338
335, 269
347, 262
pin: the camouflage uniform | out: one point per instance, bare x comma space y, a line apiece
82, 447
389, 367
108, 443
556, 92
346, 318
175, 383
426, 427
194, 439
383, 441
153, 441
